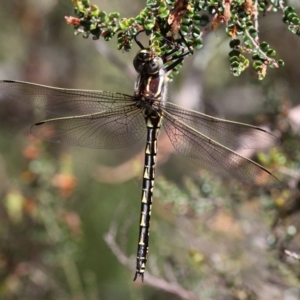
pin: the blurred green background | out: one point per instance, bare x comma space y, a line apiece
211, 238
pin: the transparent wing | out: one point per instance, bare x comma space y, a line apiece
63, 101
233, 135
211, 155
114, 128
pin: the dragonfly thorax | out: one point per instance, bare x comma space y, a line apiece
147, 62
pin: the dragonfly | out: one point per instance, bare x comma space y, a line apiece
107, 120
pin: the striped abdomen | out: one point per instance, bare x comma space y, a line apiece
153, 127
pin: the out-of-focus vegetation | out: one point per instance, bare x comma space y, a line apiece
211, 238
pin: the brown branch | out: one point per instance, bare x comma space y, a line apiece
159, 283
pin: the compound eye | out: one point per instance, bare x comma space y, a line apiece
144, 56
145, 62
152, 67
155, 65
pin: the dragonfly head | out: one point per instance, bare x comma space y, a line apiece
147, 62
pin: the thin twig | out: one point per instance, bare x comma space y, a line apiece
256, 16
292, 254
256, 45
159, 283
128, 70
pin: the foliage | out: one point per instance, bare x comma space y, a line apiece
164, 19
44, 229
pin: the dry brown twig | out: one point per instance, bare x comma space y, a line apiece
151, 280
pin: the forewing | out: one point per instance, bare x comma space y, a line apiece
63, 101
211, 155
114, 128
233, 135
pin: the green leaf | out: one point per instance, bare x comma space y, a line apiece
264, 46
281, 63
234, 43
234, 53
149, 23
271, 53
